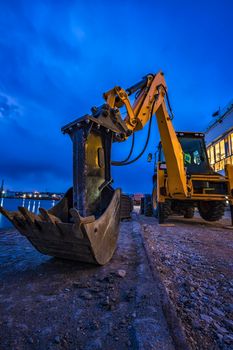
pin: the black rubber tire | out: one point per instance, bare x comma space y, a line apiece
211, 210
148, 211
126, 206
189, 213
163, 211
142, 206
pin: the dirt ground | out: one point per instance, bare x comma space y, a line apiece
47, 303
167, 287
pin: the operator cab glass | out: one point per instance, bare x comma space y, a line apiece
195, 156
194, 150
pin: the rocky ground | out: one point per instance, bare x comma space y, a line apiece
195, 262
167, 287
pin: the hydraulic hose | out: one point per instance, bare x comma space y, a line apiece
141, 153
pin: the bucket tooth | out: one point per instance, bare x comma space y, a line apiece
46, 216
29, 216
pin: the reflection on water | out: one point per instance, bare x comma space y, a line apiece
31, 205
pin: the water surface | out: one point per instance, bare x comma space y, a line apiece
30, 204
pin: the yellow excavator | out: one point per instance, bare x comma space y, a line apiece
84, 225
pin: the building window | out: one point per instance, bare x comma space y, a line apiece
217, 152
227, 147
229, 144
231, 137
211, 152
222, 149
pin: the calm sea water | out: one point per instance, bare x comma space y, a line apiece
30, 204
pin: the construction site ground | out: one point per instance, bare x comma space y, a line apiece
167, 287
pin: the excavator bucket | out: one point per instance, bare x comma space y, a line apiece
84, 239
84, 225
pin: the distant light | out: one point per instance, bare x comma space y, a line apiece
54, 195
30, 195
24, 195
3, 192
40, 195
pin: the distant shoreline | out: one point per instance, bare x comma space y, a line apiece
33, 198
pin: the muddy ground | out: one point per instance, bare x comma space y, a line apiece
167, 287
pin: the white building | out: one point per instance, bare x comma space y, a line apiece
219, 138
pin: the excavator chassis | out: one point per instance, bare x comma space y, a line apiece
84, 225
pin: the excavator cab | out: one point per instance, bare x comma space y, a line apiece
209, 189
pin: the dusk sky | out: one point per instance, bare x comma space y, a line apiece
58, 57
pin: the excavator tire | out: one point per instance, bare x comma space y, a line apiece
211, 210
126, 207
163, 211
63, 233
142, 206
148, 210
189, 213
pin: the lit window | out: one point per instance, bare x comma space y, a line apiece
212, 160
222, 149
231, 136
217, 152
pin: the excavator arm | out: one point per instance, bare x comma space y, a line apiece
150, 100
85, 224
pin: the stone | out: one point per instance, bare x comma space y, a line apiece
121, 273
229, 324
218, 312
77, 285
95, 345
228, 308
228, 339
220, 329
86, 295
30, 340
196, 324
206, 318
57, 339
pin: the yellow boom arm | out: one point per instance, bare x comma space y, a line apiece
150, 100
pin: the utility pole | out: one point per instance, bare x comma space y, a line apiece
2, 189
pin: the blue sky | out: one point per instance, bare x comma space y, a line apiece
58, 57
